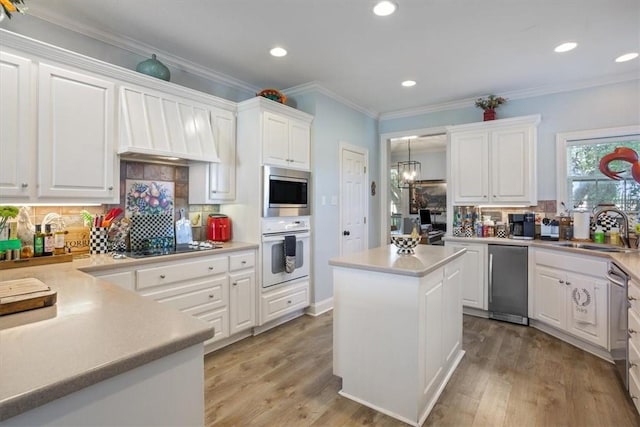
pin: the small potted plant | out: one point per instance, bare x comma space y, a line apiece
489, 105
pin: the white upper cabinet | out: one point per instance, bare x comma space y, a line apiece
216, 182
286, 141
17, 127
494, 162
76, 126
158, 123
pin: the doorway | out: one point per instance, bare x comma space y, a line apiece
429, 147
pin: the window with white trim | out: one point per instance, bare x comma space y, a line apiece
580, 182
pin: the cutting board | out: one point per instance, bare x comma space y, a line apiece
24, 294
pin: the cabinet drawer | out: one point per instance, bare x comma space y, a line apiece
218, 320
284, 301
634, 298
634, 390
176, 272
634, 359
634, 328
241, 261
581, 264
206, 291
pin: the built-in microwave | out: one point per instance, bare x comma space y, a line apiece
286, 192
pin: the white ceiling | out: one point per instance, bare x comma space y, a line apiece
455, 49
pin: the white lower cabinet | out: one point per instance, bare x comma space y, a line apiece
473, 274
283, 300
633, 329
565, 284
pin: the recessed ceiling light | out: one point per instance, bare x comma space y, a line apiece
278, 51
384, 8
627, 57
408, 83
566, 47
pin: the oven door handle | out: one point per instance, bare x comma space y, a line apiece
280, 236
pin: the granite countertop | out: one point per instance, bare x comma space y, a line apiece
93, 263
95, 331
385, 259
629, 262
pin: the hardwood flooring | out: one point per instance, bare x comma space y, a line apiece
510, 376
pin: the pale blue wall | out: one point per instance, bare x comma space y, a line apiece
592, 108
35, 28
334, 123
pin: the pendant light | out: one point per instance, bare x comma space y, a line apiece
409, 171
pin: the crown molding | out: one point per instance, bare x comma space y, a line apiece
516, 94
317, 87
142, 49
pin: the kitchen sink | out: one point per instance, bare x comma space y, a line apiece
592, 247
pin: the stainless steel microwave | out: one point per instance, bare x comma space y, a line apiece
286, 192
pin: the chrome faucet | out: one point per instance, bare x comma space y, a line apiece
624, 233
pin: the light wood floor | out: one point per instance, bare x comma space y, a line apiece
510, 376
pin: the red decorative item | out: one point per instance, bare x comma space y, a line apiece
624, 154
218, 228
489, 114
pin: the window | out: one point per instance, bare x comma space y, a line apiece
580, 182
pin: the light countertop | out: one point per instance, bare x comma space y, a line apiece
385, 259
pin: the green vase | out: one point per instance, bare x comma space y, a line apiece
154, 68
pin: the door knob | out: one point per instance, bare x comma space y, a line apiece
346, 233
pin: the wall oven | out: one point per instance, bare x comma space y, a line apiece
273, 250
286, 192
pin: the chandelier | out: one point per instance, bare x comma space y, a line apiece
408, 171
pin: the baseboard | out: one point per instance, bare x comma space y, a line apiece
208, 348
475, 312
277, 322
570, 339
318, 308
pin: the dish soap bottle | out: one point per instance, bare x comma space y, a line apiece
598, 235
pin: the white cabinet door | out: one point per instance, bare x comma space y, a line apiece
550, 300
242, 303
17, 125
299, 144
473, 274
469, 167
275, 139
76, 155
595, 333
432, 336
452, 316
511, 164
216, 182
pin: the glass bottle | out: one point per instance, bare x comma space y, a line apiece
48, 241
38, 241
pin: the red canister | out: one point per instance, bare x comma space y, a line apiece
218, 228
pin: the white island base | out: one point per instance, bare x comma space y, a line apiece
397, 328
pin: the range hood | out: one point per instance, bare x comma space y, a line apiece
161, 126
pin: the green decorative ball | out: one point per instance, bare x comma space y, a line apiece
154, 68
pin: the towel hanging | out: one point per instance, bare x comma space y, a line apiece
289, 253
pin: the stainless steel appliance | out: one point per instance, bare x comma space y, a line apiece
522, 226
508, 283
286, 192
274, 233
618, 321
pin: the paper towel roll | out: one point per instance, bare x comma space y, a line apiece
581, 225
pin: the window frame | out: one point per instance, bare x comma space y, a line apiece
565, 138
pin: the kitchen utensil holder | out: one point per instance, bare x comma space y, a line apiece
98, 240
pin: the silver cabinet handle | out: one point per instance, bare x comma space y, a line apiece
490, 277
568, 283
561, 281
24, 185
630, 298
162, 276
632, 331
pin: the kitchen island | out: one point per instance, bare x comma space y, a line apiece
101, 355
397, 330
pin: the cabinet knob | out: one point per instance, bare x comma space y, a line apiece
235, 283
211, 295
24, 185
630, 298
162, 276
485, 196
632, 331
494, 196
110, 187
568, 283
210, 268
561, 281
288, 301
633, 397
632, 365
244, 262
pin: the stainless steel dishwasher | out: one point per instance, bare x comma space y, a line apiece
508, 283
619, 302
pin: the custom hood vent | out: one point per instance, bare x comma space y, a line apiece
155, 124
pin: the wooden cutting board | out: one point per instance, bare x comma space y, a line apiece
24, 294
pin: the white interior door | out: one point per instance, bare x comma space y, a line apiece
353, 199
